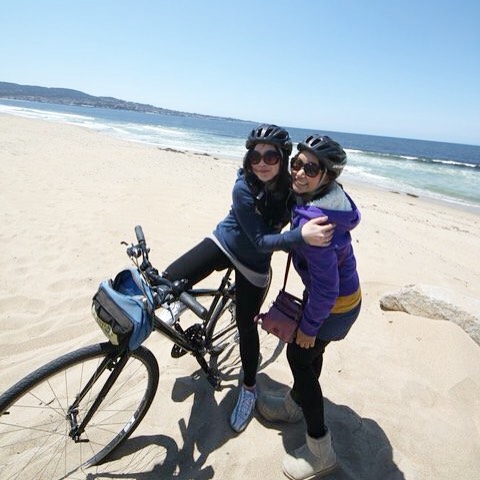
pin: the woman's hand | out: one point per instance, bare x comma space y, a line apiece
317, 232
304, 341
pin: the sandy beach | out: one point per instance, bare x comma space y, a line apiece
402, 391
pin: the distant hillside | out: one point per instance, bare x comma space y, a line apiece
66, 96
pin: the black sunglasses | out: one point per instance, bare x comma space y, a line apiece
311, 169
270, 157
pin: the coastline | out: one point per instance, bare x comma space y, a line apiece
395, 170
402, 390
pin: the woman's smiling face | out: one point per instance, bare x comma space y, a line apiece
301, 182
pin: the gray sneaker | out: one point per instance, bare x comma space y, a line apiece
243, 411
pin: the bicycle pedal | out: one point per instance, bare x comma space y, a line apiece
177, 352
215, 381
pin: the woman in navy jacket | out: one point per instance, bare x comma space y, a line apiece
246, 239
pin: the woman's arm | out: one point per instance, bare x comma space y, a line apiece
317, 232
254, 226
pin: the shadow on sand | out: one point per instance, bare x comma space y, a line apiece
204, 432
363, 450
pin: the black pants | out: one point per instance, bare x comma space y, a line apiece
197, 264
306, 365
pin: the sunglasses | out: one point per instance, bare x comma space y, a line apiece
271, 157
311, 169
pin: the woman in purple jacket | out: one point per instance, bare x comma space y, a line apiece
332, 300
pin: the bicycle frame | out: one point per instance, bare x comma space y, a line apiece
221, 297
105, 369
77, 430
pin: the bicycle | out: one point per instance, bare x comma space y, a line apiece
77, 409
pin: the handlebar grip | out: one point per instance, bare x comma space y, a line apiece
139, 234
193, 305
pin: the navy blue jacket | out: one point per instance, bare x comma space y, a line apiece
251, 230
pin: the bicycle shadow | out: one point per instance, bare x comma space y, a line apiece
362, 447
205, 430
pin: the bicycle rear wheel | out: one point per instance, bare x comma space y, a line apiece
34, 420
225, 325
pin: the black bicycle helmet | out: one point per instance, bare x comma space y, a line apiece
272, 135
328, 151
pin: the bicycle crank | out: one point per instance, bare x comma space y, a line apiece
195, 336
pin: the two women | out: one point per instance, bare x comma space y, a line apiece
332, 300
245, 239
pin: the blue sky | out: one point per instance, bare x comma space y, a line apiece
396, 68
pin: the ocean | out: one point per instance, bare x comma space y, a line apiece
442, 171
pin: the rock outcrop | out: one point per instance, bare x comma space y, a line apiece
436, 303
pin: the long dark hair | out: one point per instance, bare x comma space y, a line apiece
274, 198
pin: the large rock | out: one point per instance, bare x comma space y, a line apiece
437, 303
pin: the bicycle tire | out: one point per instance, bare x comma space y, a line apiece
34, 428
225, 329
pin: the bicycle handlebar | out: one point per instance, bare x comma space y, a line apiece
162, 286
191, 302
139, 234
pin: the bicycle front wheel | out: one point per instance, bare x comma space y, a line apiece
36, 414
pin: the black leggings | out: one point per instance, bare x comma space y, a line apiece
306, 365
197, 264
